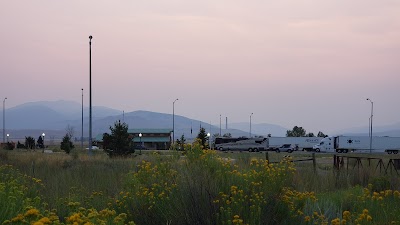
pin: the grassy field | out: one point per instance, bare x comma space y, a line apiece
195, 187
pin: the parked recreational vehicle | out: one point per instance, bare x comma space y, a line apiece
240, 144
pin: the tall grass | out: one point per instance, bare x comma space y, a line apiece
199, 187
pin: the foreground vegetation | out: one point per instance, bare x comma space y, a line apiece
198, 187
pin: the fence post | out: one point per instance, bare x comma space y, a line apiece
266, 156
314, 162
33, 168
335, 161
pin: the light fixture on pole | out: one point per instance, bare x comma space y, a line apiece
140, 140
8, 135
4, 120
90, 94
82, 123
250, 123
43, 134
208, 135
173, 121
372, 115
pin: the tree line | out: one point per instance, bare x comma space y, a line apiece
301, 132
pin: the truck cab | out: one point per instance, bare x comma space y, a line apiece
325, 145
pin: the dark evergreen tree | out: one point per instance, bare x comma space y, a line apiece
202, 136
40, 142
296, 132
180, 143
119, 142
320, 134
29, 142
310, 135
67, 144
20, 145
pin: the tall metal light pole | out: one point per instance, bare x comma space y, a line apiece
250, 123
209, 137
4, 120
220, 123
372, 115
43, 141
173, 121
82, 123
141, 146
90, 94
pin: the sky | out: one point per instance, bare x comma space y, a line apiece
309, 63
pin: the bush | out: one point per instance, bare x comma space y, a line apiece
9, 146
19, 145
67, 144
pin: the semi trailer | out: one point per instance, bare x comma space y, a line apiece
365, 144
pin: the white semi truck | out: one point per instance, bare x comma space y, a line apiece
344, 144
299, 143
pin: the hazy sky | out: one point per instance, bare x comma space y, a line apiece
310, 63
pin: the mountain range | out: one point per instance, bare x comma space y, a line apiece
52, 118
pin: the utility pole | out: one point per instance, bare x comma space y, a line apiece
82, 123
250, 123
4, 120
90, 94
173, 121
372, 115
220, 125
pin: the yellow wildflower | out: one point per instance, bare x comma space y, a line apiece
32, 212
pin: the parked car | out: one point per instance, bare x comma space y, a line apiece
286, 148
94, 148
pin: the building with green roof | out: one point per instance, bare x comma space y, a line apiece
159, 139
152, 138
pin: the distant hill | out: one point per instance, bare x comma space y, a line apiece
52, 117
390, 133
262, 129
392, 130
146, 119
51, 114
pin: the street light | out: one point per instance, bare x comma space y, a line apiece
250, 123
208, 135
173, 121
43, 140
140, 136
4, 120
372, 115
82, 123
90, 94
8, 135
